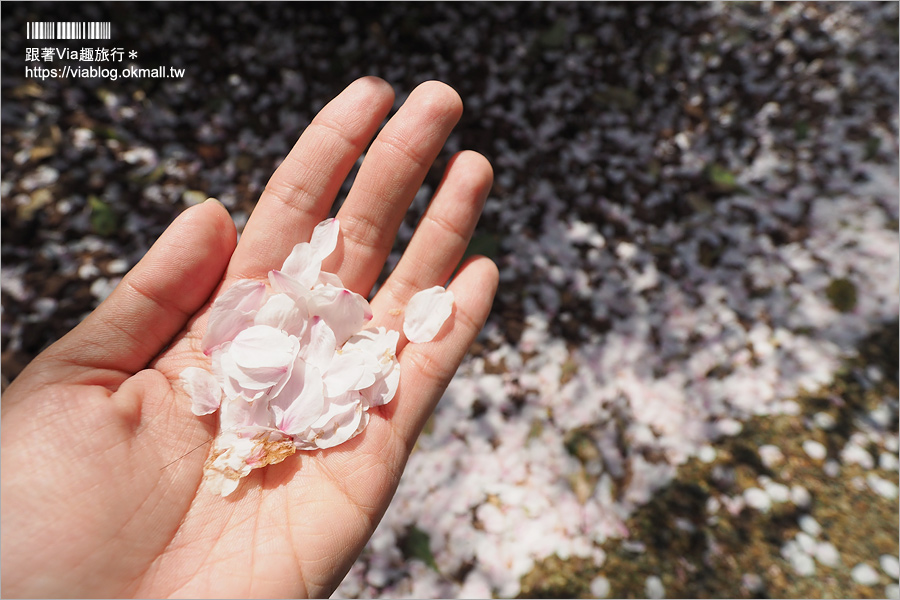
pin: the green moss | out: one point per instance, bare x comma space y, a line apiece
842, 294
416, 544
721, 178
104, 220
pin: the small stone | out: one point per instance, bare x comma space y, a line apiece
824, 421
707, 454
864, 574
752, 582
758, 499
882, 487
815, 450
882, 415
854, 454
890, 565
88, 271
832, 468
802, 564
778, 492
806, 542
654, 587
810, 525
887, 461
827, 554
892, 590
800, 496
117, 266
600, 587
770, 455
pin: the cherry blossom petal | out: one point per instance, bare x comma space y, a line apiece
301, 402
302, 265
326, 278
350, 371
284, 284
426, 313
340, 423
281, 311
232, 312
319, 344
235, 455
256, 363
345, 312
385, 387
238, 414
204, 390
324, 239
379, 342
263, 347
237, 387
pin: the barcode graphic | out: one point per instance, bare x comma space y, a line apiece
67, 30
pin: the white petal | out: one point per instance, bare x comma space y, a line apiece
340, 423
319, 344
232, 312
302, 265
281, 311
256, 363
324, 238
204, 390
345, 312
426, 313
350, 371
326, 278
301, 402
379, 342
385, 387
238, 414
264, 347
234, 383
284, 284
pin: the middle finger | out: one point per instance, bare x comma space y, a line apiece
388, 179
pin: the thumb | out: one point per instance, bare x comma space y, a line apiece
155, 300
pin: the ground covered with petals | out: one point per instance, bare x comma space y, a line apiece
688, 384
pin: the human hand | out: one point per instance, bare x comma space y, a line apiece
92, 502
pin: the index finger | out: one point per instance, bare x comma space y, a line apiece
303, 188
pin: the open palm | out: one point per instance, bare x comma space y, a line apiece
102, 459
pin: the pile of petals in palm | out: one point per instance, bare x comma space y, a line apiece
293, 367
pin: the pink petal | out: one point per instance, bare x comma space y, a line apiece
384, 389
238, 414
339, 424
350, 371
326, 278
345, 312
426, 313
284, 284
232, 311
324, 239
302, 265
204, 390
379, 342
300, 403
281, 311
319, 344
263, 347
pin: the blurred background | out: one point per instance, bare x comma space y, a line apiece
688, 384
